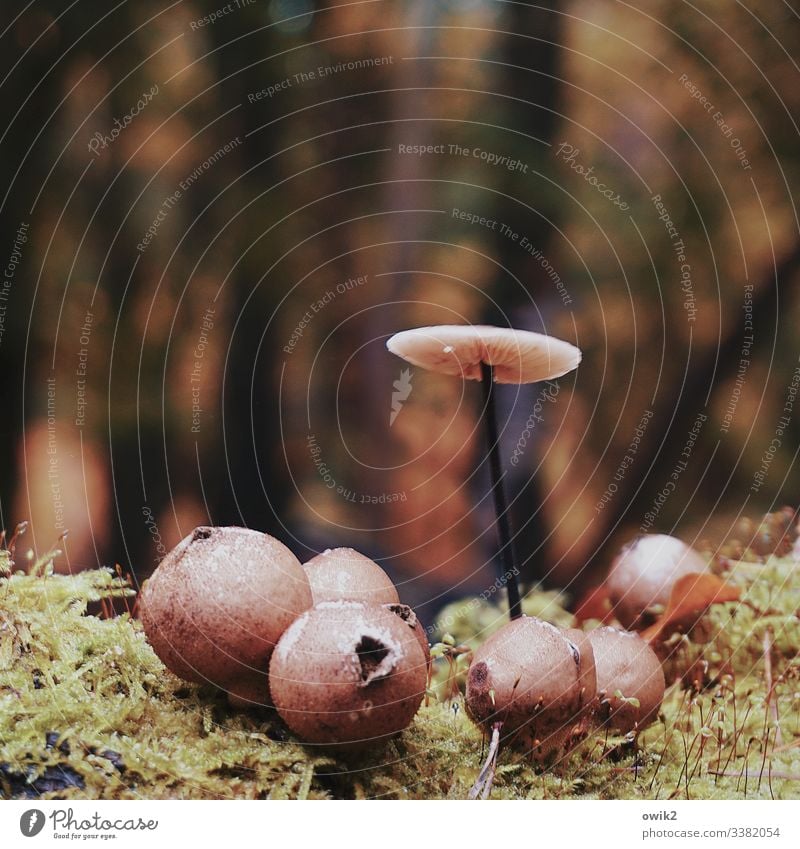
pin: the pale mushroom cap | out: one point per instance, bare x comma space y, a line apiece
343, 573
517, 356
643, 573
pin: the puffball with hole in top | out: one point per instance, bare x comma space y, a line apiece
218, 603
348, 674
342, 574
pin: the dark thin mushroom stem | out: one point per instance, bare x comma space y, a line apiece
508, 560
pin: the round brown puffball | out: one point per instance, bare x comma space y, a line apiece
217, 604
626, 665
587, 671
643, 573
342, 573
411, 619
348, 674
537, 681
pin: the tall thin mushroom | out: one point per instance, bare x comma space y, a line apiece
491, 355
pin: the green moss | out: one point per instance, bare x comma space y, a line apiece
473, 620
87, 711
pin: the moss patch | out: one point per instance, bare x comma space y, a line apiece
88, 711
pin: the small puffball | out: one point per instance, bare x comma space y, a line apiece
643, 573
342, 573
412, 620
218, 603
630, 680
537, 681
348, 674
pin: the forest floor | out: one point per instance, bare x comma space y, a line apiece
88, 711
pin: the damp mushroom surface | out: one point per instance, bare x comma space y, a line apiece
531, 685
491, 355
531, 679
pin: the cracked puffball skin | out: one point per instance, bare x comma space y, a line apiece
217, 604
538, 682
411, 619
348, 674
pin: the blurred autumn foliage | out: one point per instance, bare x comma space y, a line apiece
209, 289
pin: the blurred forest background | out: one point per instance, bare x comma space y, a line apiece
213, 216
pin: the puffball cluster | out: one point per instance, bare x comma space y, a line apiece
327, 643
548, 688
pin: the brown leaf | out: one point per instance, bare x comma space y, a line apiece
691, 594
